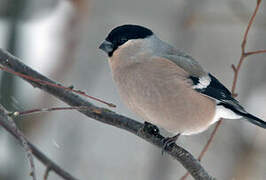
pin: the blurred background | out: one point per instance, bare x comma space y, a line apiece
59, 38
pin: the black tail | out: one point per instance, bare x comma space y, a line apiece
236, 108
254, 120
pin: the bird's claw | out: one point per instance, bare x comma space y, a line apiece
151, 129
168, 141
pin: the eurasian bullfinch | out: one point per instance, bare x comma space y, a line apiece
165, 86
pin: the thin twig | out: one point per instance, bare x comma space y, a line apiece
46, 174
5, 120
255, 52
236, 70
106, 116
55, 85
41, 110
25, 146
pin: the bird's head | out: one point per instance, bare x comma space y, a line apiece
122, 34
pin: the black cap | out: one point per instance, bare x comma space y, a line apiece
121, 34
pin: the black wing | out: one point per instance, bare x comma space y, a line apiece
224, 98
219, 92
215, 89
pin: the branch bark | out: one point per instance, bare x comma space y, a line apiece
24, 143
236, 70
104, 115
5, 122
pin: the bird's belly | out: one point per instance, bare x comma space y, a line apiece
169, 104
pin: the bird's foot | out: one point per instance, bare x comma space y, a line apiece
151, 129
168, 141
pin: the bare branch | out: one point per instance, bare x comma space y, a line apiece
25, 145
255, 52
243, 45
236, 70
56, 85
104, 115
46, 174
41, 110
5, 123
233, 67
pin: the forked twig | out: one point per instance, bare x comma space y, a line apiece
6, 122
236, 70
25, 146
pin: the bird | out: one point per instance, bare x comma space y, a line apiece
165, 86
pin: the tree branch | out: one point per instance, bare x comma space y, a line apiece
236, 70
104, 115
5, 122
24, 143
